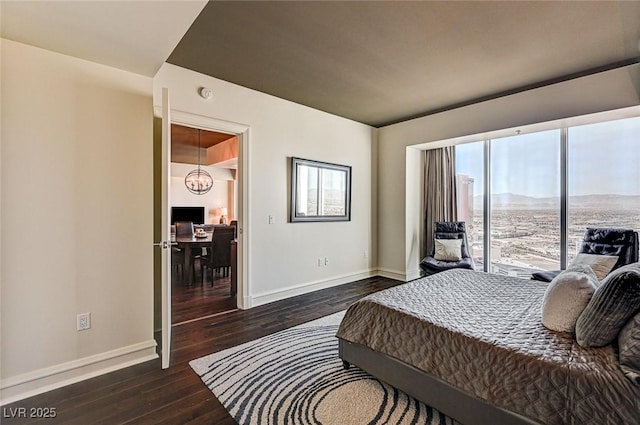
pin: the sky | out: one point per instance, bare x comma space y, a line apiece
604, 158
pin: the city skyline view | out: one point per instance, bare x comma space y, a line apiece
603, 190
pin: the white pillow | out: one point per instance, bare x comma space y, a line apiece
566, 296
600, 264
448, 249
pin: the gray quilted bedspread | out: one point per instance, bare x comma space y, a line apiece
483, 334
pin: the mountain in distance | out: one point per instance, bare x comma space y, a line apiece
520, 202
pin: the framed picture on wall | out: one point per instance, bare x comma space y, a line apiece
320, 191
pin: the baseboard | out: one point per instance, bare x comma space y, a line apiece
392, 274
281, 294
411, 275
245, 303
39, 381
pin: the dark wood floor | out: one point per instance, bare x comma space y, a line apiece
191, 302
146, 394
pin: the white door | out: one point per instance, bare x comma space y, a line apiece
166, 229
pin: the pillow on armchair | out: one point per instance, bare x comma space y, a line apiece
601, 264
448, 249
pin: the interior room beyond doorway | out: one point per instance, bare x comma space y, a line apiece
193, 295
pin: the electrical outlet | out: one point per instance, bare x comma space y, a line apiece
83, 321
320, 262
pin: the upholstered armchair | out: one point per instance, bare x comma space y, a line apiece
451, 249
603, 241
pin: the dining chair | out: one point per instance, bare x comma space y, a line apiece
219, 255
177, 261
184, 228
234, 224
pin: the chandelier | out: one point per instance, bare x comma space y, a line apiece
198, 181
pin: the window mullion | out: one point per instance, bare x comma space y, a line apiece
564, 193
487, 206
320, 194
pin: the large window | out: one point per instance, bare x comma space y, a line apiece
525, 201
601, 189
603, 178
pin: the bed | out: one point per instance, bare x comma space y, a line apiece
473, 346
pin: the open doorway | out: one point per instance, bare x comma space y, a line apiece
198, 290
162, 206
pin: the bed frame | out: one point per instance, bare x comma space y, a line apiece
453, 402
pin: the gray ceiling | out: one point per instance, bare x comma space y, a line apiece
374, 62
384, 62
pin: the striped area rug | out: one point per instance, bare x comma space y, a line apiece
296, 377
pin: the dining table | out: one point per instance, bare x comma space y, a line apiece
188, 244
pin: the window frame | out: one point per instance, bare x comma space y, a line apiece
296, 186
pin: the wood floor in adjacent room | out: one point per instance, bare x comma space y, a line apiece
146, 394
200, 299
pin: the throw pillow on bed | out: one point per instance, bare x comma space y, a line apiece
601, 264
566, 297
448, 249
629, 349
613, 303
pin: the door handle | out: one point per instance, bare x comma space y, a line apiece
162, 244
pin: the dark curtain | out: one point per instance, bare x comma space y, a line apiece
439, 191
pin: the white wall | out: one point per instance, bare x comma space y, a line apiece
398, 228
212, 200
76, 192
283, 256
414, 206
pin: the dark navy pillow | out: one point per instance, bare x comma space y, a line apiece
615, 301
629, 349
